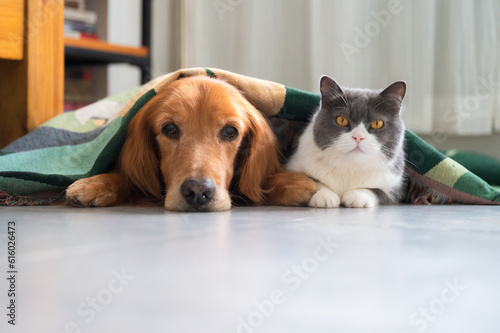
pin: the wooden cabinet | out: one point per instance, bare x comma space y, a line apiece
33, 52
11, 29
31, 65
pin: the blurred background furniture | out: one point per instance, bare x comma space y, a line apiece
31, 65
34, 54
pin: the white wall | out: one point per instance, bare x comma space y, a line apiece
124, 27
165, 37
485, 144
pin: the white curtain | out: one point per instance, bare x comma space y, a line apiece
448, 51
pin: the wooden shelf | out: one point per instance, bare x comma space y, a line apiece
104, 47
92, 52
82, 52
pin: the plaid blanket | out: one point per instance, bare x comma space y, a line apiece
37, 168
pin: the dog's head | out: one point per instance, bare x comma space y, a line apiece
193, 139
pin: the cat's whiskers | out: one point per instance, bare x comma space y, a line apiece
331, 153
376, 106
395, 158
389, 152
407, 161
346, 103
383, 160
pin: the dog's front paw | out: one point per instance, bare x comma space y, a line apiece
290, 188
97, 191
325, 198
359, 198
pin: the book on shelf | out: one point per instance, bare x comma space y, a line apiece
76, 29
78, 90
78, 4
79, 15
79, 35
78, 22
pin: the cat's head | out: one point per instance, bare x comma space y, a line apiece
359, 123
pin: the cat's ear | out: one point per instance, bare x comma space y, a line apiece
329, 88
396, 90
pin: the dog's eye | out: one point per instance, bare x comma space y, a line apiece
171, 131
228, 133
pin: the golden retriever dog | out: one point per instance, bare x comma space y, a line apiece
198, 145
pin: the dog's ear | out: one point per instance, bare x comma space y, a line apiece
261, 155
138, 161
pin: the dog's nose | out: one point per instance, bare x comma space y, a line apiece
198, 192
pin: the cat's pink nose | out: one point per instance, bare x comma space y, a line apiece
358, 138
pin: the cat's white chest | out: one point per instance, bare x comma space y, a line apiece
338, 173
343, 176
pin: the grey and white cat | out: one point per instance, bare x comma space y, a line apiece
353, 146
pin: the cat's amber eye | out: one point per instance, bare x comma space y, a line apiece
342, 121
376, 124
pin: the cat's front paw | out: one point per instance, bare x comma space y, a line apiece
325, 198
359, 198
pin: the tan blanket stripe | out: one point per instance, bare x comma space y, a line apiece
268, 97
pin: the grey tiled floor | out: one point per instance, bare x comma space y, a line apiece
269, 269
